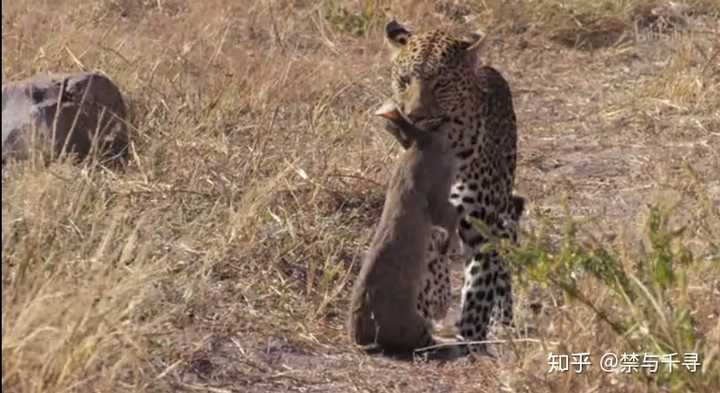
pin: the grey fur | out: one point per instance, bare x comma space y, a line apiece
383, 312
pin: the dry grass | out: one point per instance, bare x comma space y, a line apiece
220, 259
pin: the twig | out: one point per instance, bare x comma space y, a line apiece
357, 177
466, 343
170, 191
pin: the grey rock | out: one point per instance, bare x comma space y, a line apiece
57, 114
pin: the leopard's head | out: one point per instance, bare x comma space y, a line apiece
432, 73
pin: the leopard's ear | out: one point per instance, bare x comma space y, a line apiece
396, 35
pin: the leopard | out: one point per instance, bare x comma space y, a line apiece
437, 82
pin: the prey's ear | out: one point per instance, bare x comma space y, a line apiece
474, 42
396, 35
404, 131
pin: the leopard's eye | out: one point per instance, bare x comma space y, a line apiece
403, 82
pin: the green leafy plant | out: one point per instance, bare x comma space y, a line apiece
650, 310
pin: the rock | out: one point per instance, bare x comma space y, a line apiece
77, 107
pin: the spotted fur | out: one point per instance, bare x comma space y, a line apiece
436, 291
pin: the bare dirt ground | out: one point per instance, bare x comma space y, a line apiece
220, 260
